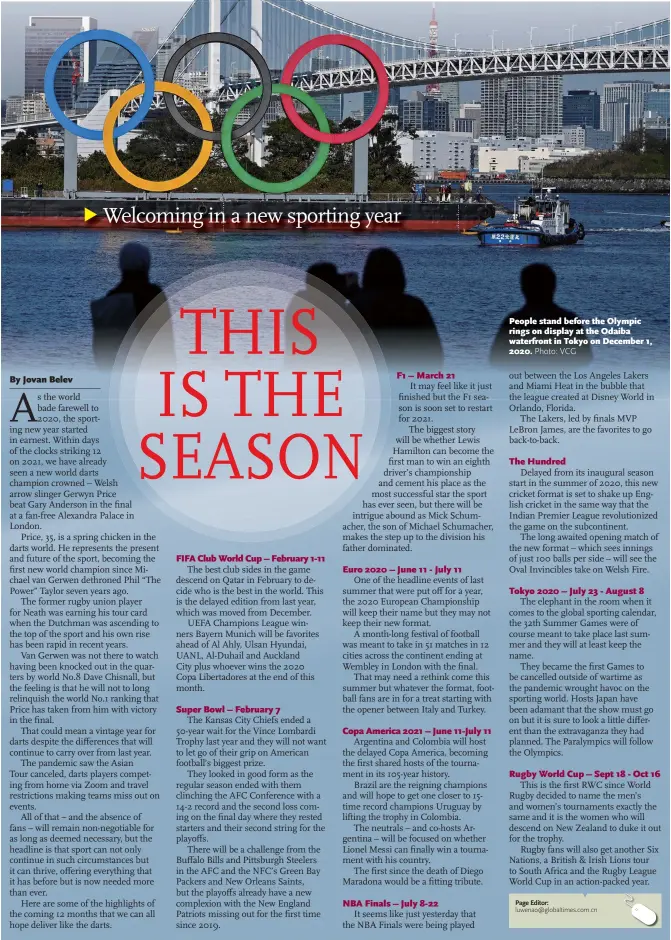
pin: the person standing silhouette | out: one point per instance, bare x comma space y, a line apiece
401, 323
128, 306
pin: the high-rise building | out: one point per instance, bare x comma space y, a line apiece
424, 112
582, 109
394, 101
534, 106
197, 82
493, 106
657, 101
34, 107
597, 139
21, 108
615, 116
332, 106
411, 114
449, 91
117, 68
166, 50
656, 126
13, 109
44, 34
521, 106
463, 126
275, 112
435, 114
147, 39
469, 112
573, 136
370, 100
656, 118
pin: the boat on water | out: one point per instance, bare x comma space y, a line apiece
538, 220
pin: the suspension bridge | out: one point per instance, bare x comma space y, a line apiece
277, 27
473, 66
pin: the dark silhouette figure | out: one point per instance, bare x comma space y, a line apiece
402, 324
326, 276
135, 261
321, 279
39, 190
325, 273
128, 306
538, 284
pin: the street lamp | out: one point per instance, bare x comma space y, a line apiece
531, 36
456, 35
570, 32
491, 36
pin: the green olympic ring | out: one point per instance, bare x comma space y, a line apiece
232, 161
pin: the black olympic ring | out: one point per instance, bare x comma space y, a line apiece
227, 39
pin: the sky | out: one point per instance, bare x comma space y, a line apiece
473, 21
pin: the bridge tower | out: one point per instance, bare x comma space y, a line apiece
256, 150
214, 52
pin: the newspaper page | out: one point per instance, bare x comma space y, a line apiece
270, 331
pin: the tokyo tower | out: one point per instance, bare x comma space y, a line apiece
433, 89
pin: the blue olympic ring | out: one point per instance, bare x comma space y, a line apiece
118, 39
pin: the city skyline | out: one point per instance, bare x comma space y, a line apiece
513, 28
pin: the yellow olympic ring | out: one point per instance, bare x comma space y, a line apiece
138, 181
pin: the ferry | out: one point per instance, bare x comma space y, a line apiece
537, 220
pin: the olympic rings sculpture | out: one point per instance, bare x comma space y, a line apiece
229, 132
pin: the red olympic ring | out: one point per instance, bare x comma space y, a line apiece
370, 57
